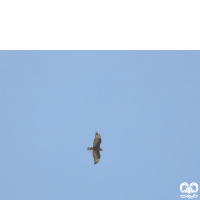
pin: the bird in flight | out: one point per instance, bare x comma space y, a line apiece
96, 148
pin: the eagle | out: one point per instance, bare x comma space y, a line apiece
96, 148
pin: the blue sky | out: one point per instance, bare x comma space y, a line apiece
144, 104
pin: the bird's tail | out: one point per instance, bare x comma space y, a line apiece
90, 148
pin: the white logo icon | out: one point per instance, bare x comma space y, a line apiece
192, 188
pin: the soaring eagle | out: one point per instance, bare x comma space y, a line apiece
96, 148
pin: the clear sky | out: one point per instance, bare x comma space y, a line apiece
144, 104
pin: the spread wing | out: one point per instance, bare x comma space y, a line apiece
96, 156
97, 141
